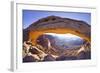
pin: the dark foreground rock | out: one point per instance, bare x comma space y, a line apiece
49, 58
84, 55
62, 58
28, 59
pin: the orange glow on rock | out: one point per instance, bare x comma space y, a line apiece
33, 35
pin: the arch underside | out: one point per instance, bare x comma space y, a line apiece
33, 35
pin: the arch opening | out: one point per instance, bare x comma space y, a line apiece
61, 41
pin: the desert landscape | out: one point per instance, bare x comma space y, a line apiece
55, 38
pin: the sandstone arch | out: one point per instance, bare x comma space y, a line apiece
55, 24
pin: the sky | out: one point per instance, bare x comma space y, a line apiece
31, 16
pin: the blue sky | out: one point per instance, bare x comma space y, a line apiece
30, 16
